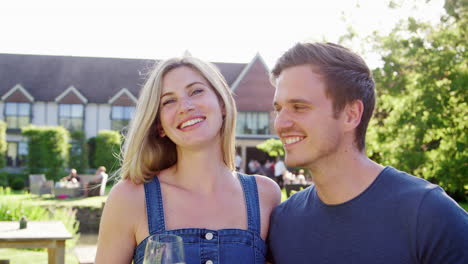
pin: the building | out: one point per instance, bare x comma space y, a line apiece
93, 94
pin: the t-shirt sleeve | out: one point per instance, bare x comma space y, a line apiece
442, 230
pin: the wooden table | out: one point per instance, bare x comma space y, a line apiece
39, 234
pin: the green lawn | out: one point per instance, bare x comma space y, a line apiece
48, 200
21, 256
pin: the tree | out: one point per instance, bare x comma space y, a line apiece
273, 147
420, 122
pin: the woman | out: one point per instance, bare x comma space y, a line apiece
178, 174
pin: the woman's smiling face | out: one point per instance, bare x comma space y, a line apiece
190, 111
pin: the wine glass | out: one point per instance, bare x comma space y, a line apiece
164, 249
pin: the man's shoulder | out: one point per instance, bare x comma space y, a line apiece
297, 202
403, 183
414, 195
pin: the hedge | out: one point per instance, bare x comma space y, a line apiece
48, 150
79, 152
3, 144
107, 149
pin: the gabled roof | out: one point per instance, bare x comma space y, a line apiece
74, 91
97, 79
253, 90
20, 89
123, 92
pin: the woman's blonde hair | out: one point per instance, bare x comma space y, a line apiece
145, 153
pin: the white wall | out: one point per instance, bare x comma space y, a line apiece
2, 110
38, 113
97, 117
104, 117
91, 120
51, 116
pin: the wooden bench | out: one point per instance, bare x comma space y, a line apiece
39, 185
93, 189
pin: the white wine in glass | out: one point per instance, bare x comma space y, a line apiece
164, 249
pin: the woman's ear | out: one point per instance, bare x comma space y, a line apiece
223, 109
160, 130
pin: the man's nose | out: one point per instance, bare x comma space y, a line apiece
282, 121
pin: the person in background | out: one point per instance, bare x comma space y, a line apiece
72, 177
100, 176
300, 178
238, 161
358, 211
269, 168
179, 177
280, 171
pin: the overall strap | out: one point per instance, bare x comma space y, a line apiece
154, 206
252, 203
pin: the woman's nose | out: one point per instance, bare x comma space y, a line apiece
186, 105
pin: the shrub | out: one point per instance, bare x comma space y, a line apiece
92, 152
3, 179
3, 144
48, 150
5, 191
17, 184
78, 151
107, 149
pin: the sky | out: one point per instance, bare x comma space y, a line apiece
213, 30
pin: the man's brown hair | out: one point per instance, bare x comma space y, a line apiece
345, 73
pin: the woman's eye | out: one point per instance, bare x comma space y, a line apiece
168, 102
197, 91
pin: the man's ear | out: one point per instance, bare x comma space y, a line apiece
353, 114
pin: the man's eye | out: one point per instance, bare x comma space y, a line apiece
298, 107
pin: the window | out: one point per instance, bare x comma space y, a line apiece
121, 116
16, 153
71, 116
17, 115
253, 123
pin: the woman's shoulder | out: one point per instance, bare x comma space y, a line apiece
268, 190
126, 194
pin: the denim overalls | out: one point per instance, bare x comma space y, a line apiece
204, 246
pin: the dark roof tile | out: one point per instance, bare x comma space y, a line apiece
98, 79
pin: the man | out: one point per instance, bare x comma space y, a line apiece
358, 211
